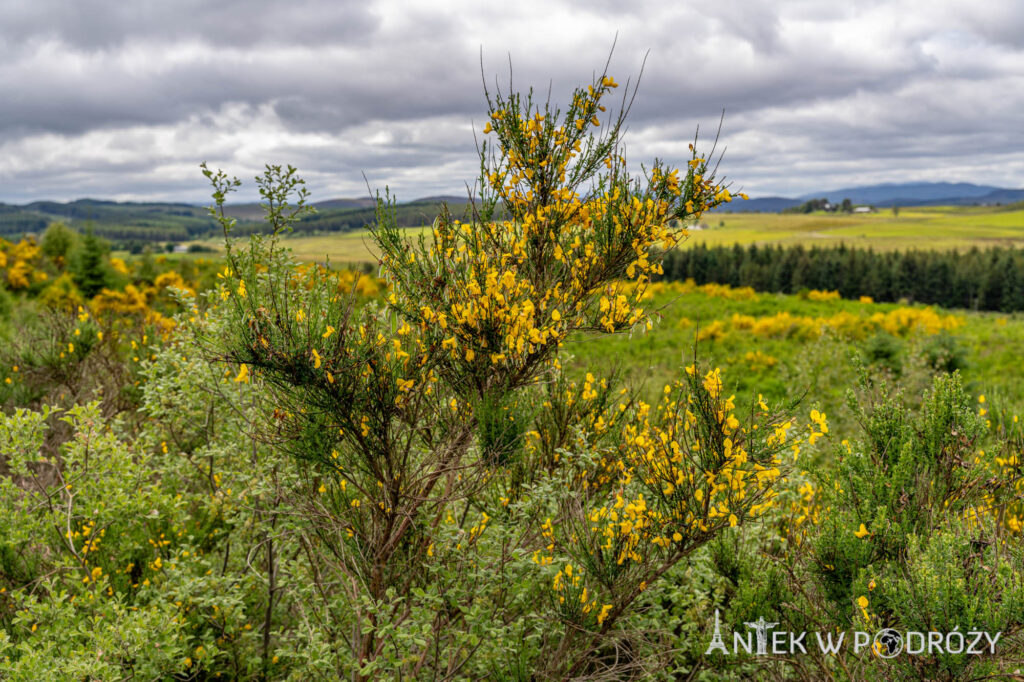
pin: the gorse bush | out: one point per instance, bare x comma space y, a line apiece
429, 429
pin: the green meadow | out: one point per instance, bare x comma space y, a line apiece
808, 351
938, 228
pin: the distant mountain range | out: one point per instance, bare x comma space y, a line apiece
134, 222
124, 222
254, 211
891, 194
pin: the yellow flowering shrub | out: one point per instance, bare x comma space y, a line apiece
19, 262
899, 322
173, 280
440, 436
62, 294
821, 296
757, 360
689, 286
897, 532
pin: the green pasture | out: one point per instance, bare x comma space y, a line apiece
340, 248
938, 227
816, 372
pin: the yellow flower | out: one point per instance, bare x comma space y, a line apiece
872, 585
863, 532
243, 375
862, 602
326, 334
316, 359
604, 613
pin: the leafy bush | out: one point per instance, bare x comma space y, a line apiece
885, 350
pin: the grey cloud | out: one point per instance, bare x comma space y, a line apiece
121, 95
102, 25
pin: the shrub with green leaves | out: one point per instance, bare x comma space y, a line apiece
912, 532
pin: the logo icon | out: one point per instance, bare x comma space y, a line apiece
716, 640
888, 643
761, 627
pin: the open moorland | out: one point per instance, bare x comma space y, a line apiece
512, 450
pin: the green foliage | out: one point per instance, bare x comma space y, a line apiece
6, 305
944, 353
907, 538
501, 427
90, 267
58, 243
886, 350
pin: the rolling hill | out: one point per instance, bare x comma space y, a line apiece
890, 194
128, 222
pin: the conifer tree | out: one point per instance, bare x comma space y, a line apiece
91, 272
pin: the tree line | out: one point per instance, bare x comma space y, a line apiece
978, 279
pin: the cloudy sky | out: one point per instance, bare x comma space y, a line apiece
123, 99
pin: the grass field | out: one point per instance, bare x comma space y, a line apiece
340, 248
941, 227
783, 355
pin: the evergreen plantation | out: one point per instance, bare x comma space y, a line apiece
974, 279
